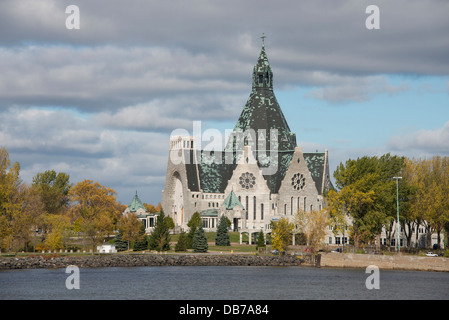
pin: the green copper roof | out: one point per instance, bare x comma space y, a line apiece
232, 201
136, 204
262, 113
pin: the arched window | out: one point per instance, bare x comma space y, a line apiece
254, 205
261, 211
247, 209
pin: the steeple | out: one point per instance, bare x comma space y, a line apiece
262, 73
262, 112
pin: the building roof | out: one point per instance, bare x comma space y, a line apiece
262, 113
136, 204
232, 201
210, 173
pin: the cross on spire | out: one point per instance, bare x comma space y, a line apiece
263, 39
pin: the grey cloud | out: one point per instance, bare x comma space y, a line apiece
353, 89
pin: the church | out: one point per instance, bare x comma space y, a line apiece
259, 177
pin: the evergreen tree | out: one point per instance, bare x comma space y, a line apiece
120, 245
160, 237
193, 223
260, 240
141, 244
222, 238
200, 240
181, 245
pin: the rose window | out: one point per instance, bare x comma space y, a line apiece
247, 180
298, 181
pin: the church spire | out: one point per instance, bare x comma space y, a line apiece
262, 73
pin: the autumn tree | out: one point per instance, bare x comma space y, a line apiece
429, 205
313, 224
95, 209
130, 228
281, 234
11, 202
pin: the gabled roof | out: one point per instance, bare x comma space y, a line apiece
232, 201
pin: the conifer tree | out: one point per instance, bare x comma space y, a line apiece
200, 240
260, 240
160, 237
143, 243
120, 245
193, 223
222, 238
181, 245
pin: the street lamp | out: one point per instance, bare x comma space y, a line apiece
397, 201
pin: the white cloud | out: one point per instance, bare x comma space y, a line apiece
423, 142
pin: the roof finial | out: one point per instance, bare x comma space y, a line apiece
263, 40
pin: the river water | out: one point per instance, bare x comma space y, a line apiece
221, 283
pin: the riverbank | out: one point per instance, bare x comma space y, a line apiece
385, 262
137, 260
331, 260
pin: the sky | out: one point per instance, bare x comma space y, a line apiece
100, 102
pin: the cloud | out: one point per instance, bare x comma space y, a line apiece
100, 102
343, 89
423, 142
67, 142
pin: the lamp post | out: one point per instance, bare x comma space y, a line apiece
397, 205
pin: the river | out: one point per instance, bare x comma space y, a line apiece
221, 283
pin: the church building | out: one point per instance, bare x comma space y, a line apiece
260, 176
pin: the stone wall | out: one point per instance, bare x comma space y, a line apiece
134, 260
393, 262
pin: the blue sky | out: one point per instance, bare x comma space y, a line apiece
101, 102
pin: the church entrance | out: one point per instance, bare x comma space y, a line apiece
236, 224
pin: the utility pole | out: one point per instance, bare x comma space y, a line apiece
397, 205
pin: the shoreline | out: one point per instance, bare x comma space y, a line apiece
140, 260
327, 260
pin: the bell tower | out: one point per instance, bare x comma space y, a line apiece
262, 73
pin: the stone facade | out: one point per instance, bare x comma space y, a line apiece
261, 165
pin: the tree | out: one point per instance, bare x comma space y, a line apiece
130, 227
169, 221
141, 244
59, 231
281, 234
11, 202
95, 209
181, 245
222, 238
313, 224
193, 223
260, 240
200, 240
53, 189
367, 194
429, 205
160, 237
120, 244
